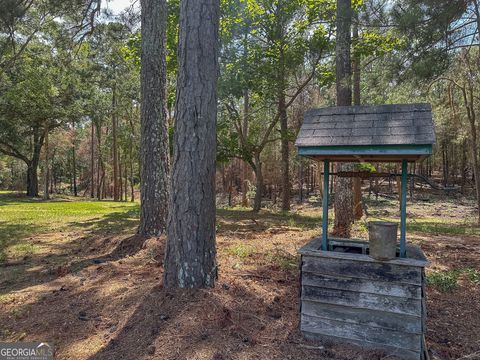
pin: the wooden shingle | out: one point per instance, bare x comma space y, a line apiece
398, 124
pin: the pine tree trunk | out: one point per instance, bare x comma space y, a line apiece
74, 162
257, 203
46, 194
154, 136
92, 161
125, 181
357, 182
120, 177
343, 190
190, 259
246, 111
114, 143
99, 161
132, 190
285, 152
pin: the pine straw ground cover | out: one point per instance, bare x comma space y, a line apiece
74, 274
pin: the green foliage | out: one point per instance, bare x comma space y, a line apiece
473, 275
241, 250
445, 281
366, 167
283, 259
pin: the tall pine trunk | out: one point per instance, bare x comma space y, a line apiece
343, 190
246, 113
114, 143
154, 135
92, 161
190, 259
357, 182
46, 194
282, 109
257, 203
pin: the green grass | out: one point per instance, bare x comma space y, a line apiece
241, 250
444, 281
473, 275
22, 218
447, 281
284, 260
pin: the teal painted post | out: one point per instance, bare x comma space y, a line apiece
403, 210
326, 170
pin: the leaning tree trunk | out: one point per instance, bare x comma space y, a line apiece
190, 255
154, 135
343, 191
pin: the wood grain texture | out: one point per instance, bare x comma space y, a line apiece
363, 300
373, 318
365, 333
383, 271
352, 298
395, 352
362, 285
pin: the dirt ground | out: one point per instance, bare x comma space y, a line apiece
99, 295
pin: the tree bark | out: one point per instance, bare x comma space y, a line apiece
98, 129
343, 191
46, 195
357, 182
32, 178
32, 164
190, 259
154, 161
257, 203
114, 143
285, 152
246, 112
92, 161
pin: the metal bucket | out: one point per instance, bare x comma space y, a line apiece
382, 237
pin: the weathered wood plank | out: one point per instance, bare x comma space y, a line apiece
363, 300
372, 318
361, 333
362, 285
415, 256
389, 350
384, 271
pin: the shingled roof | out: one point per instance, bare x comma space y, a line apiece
399, 124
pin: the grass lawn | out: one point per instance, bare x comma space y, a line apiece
21, 218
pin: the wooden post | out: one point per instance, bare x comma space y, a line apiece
403, 209
326, 168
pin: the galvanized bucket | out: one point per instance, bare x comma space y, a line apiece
382, 237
